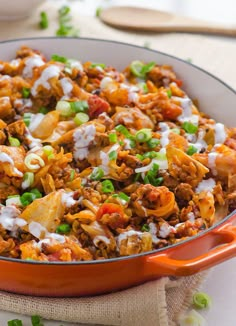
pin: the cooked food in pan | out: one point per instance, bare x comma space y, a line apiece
96, 163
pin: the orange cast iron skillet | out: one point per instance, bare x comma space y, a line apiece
68, 279
96, 277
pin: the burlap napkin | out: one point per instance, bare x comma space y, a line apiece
159, 302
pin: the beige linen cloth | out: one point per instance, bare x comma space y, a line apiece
156, 303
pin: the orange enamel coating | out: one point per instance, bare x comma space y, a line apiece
63, 280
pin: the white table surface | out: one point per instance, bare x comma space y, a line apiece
221, 283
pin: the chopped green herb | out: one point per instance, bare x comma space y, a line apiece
124, 131
28, 197
43, 23
79, 106
143, 87
151, 176
143, 135
189, 127
139, 69
27, 118
72, 175
201, 300
112, 138
64, 18
122, 196
25, 92
112, 155
145, 228
63, 228
169, 93
36, 321
97, 174
15, 322
58, 58
98, 11
137, 176
14, 142
153, 142
107, 186
101, 65
191, 150
43, 110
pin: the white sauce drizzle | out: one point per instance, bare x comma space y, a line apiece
220, 134
35, 143
76, 64
153, 231
127, 234
165, 130
191, 218
67, 88
47, 74
83, 137
37, 230
108, 83
35, 121
5, 77
67, 199
15, 63
30, 64
212, 162
104, 157
9, 218
6, 158
205, 185
165, 230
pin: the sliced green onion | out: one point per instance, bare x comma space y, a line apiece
48, 150
79, 106
191, 150
112, 138
63, 228
137, 176
43, 24
143, 135
140, 157
145, 228
151, 176
150, 155
97, 174
201, 300
27, 118
72, 175
64, 108
33, 157
14, 322
43, 110
36, 320
139, 69
169, 93
14, 141
107, 186
122, 196
13, 200
124, 131
189, 127
153, 142
112, 155
190, 60
175, 131
81, 118
36, 193
98, 11
143, 87
25, 92
58, 58
28, 180
192, 318
64, 11
101, 65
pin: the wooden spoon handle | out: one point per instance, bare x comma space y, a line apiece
150, 20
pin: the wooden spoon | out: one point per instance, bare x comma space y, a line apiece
150, 20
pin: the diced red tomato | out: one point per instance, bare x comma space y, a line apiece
179, 82
97, 106
112, 215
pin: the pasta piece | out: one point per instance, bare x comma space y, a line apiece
185, 168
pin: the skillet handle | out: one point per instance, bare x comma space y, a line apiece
210, 249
